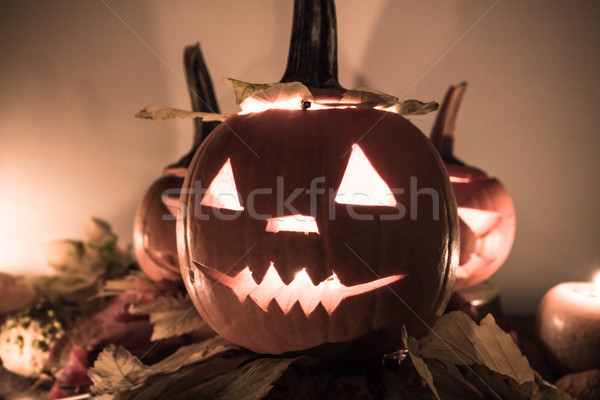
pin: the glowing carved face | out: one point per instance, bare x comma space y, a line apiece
361, 185
487, 224
296, 226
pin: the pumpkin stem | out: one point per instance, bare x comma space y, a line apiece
202, 96
201, 91
312, 59
442, 134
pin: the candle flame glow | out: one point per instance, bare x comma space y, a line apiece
597, 284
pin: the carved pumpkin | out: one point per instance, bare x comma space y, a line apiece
485, 209
154, 231
322, 231
154, 226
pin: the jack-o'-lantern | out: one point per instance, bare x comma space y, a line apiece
317, 230
154, 226
485, 209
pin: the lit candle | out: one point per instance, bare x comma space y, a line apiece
568, 325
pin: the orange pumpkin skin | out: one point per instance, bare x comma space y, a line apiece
154, 231
487, 224
298, 146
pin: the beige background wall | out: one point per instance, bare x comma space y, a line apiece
73, 74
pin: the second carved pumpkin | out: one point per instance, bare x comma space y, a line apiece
487, 215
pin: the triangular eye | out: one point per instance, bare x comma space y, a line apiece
362, 185
481, 222
222, 192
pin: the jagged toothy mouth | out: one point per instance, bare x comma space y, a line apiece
329, 293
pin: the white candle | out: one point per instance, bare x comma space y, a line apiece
568, 325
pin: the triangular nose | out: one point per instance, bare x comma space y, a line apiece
362, 185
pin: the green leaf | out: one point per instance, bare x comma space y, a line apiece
457, 339
244, 89
158, 112
99, 235
411, 344
63, 255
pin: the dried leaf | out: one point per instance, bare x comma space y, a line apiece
113, 287
219, 378
457, 339
366, 97
118, 373
547, 391
116, 369
252, 381
174, 323
415, 107
494, 385
170, 317
289, 95
411, 344
194, 353
158, 112
243, 89
451, 384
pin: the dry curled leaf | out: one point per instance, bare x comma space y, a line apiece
213, 369
158, 112
290, 95
170, 316
412, 346
244, 89
457, 339
367, 97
